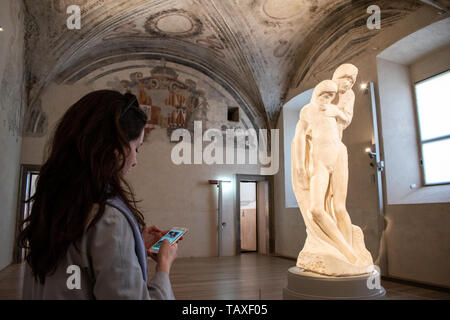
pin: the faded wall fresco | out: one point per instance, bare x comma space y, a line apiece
171, 102
174, 96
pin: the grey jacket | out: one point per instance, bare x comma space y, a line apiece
109, 267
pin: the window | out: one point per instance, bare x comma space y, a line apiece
433, 109
233, 114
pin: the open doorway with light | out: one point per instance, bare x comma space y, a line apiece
249, 231
254, 214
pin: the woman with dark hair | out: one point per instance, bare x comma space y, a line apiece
85, 237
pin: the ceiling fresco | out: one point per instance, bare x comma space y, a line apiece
256, 49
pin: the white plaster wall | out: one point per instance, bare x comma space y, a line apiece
56, 100
11, 117
418, 242
181, 196
291, 115
290, 229
430, 65
401, 151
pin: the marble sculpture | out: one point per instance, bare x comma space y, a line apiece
334, 246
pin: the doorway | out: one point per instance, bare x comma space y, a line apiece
254, 214
27, 186
249, 230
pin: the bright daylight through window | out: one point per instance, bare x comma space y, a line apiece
433, 107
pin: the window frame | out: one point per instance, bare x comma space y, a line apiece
419, 134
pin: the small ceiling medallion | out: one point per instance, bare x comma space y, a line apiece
174, 23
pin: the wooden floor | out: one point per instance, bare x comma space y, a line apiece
248, 276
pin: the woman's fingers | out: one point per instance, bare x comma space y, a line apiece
152, 255
166, 256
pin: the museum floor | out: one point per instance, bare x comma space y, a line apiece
249, 276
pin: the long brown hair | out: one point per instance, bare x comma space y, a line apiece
83, 168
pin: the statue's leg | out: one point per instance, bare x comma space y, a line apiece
318, 188
339, 183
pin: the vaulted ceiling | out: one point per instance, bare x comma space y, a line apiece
254, 46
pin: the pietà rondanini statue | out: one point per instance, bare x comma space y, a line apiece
334, 246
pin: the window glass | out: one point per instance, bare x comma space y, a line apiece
433, 104
436, 157
433, 109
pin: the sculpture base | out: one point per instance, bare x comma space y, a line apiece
305, 285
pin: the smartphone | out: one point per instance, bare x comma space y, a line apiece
173, 235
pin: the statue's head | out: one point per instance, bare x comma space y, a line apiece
325, 92
345, 76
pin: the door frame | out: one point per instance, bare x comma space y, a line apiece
254, 178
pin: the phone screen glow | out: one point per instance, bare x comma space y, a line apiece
172, 235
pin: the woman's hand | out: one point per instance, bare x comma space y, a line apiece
151, 235
166, 255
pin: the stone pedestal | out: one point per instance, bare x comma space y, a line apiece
305, 285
